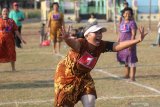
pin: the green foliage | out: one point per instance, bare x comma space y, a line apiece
32, 13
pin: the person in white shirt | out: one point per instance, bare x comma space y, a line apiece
157, 42
92, 20
158, 36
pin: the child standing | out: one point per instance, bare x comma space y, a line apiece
42, 33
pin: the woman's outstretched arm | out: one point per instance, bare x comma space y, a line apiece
117, 46
70, 41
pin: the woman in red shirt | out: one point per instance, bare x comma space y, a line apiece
7, 44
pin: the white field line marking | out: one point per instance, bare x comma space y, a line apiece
35, 53
42, 53
100, 98
26, 102
61, 55
126, 97
135, 83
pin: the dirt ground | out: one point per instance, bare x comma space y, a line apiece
32, 84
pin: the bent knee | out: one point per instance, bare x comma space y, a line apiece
88, 100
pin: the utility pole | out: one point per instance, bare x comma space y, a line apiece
115, 25
77, 8
150, 9
35, 4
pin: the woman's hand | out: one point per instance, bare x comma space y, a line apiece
20, 19
125, 44
48, 30
70, 40
142, 33
20, 37
23, 41
65, 35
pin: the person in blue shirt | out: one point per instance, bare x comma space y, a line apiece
18, 17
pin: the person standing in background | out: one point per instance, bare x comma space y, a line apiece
18, 17
127, 31
158, 36
157, 42
92, 20
125, 5
55, 23
7, 46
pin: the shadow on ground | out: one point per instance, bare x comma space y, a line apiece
35, 84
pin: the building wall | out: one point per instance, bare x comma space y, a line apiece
97, 7
104, 9
141, 10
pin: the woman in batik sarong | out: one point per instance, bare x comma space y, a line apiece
73, 81
128, 29
55, 23
7, 44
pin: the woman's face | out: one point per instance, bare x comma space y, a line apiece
5, 13
16, 7
127, 15
95, 38
55, 7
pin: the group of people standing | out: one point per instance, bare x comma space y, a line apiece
11, 25
72, 80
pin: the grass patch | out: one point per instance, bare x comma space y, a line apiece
32, 85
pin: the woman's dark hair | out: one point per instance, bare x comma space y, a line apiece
92, 14
125, 3
127, 9
5, 8
55, 3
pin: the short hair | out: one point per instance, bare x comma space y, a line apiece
55, 3
5, 8
14, 3
92, 14
127, 9
125, 3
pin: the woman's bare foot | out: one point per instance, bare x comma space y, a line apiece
131, 80
13, 70
54, 52
126, 77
